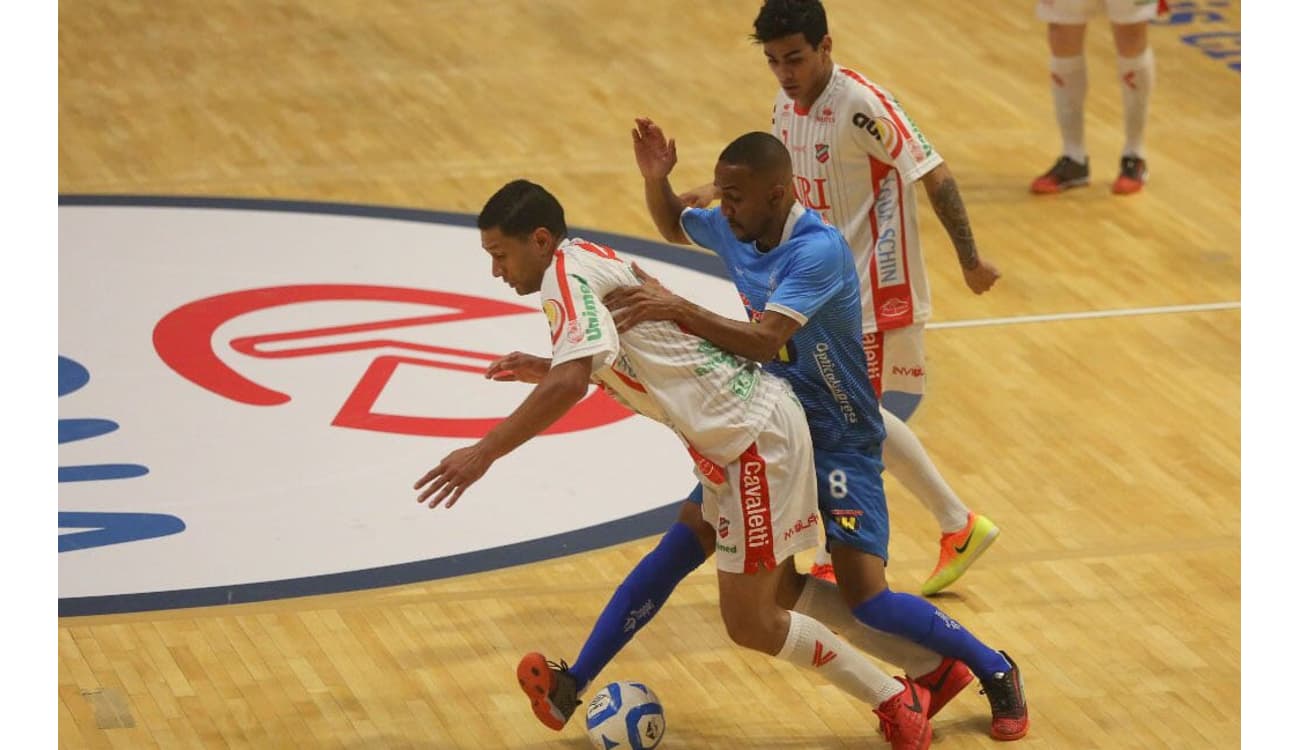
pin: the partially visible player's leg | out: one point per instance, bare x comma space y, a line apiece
641, 594
777, 518
1137, 78
554, 688
859, 544
944, 677
963, 535
1066, 28
755, 620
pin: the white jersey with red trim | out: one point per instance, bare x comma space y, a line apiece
857, 157
716, 402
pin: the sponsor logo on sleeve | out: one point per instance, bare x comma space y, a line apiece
554, 317
883, 130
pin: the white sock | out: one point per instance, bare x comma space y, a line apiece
822, 601
1069, 87
1137, 77
811, 645
907, 460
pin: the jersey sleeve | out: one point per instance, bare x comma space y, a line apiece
814, 276
881, 128
581, 325
704, 227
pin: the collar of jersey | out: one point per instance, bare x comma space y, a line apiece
796, 213
830, 84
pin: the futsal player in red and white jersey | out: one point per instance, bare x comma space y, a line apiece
744, 427
857, 159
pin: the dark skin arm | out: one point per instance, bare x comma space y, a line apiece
656, 156
941, 187
760, 342
560, 389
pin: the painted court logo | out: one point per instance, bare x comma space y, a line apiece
183, 339
247, 390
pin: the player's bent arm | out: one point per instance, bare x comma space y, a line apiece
666, 210
562, 387
760, 341
941, 187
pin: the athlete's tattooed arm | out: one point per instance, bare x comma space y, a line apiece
946, 200
941, 186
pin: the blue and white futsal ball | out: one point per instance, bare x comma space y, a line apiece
625, 715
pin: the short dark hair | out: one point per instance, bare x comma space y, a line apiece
779, 18
520, 207
761, 152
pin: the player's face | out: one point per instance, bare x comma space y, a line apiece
519, 261
748, 201
801, 69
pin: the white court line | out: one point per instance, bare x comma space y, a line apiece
1086, 315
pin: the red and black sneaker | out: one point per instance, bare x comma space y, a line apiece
944, 682
1132, 176
1006, 694
551, 690
1066, 173
903, 718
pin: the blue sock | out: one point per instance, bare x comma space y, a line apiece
637, 599
918, 620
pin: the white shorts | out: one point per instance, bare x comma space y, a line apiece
1077, 12
763, 505
896, 360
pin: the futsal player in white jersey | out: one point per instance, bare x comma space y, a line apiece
744, 428
857, 159
1067, 22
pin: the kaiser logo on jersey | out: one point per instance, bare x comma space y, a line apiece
275, 376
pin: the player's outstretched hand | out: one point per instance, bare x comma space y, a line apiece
520, 367
982, 276
656, 155
636, 304
450, 478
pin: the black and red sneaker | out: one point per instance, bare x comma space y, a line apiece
1132, 176
1066, 173
551, 690
1006, 694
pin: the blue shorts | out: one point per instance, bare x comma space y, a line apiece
851, 498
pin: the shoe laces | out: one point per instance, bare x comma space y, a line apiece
888, 724
1001, 692
565, 693
1130, 166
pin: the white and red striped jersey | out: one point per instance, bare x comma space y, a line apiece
716, 402
857, 157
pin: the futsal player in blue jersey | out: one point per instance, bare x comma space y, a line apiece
799, 285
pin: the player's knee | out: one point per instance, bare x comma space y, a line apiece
860, 576
692, 518
900, 403
759, 629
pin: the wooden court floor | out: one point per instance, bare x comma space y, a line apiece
1107, 448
